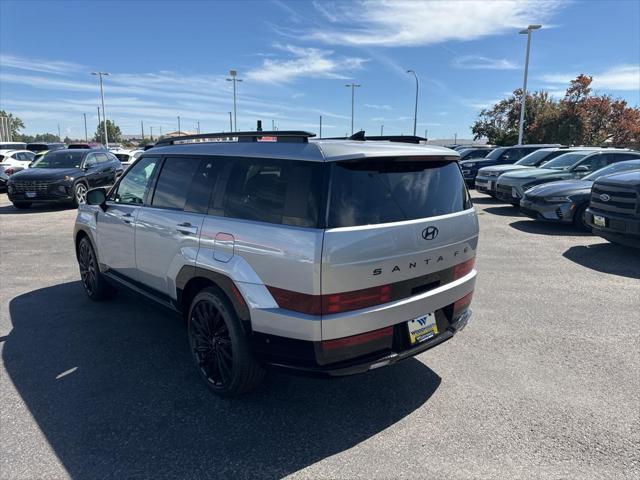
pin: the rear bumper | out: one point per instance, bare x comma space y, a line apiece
376, 360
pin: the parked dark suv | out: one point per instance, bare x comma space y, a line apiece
63, 176
498, 156
614, 210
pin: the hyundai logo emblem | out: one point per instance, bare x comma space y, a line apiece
604, 197
429, 233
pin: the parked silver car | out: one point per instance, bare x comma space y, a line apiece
324, 257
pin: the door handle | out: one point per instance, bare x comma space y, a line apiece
126, 218
186, 228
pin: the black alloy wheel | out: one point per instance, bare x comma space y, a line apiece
211, 343
93, 282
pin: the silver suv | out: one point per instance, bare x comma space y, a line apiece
325, 257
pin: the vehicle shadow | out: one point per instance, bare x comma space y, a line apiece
112, 387
607, 258
11, 210
485, 200
505, 210
547, 228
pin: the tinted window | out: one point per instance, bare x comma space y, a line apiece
594, 162
174, 182
537, 157
59, 159
393, 190
274, 191
102, 157
496, 153
132, 187
566, 160
37, 147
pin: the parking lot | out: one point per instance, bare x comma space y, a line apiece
544, 383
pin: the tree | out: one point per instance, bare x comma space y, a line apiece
113, 132
15, 125
580, 118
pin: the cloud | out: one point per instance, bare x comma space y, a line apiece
45, 66
305, 63
622, 77
413, 23
478, 62
378, 107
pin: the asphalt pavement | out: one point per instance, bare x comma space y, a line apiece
543, 383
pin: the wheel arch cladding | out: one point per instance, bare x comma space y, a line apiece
190, 280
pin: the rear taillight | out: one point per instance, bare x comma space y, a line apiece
344, 302
463, 268
332, 303
357, 339
463, 304
298, 302
8, 171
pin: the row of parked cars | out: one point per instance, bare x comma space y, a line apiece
56, 172
594, 188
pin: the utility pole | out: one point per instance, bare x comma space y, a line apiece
179, 131
160, 130
234, 78
527, 31
425, 133
86, 135
198, 127
320, 126
455, 138
353, 87
59, 136
142, 128
415, 112
273, 125
151, 129
381, 130
104, 112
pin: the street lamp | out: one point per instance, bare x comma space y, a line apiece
234, 78
415, 112
527, 31
353, 87
104, 112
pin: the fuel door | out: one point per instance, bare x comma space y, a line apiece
223, 247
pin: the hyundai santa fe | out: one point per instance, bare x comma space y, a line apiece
325, 257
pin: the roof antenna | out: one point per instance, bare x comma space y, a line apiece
358, 136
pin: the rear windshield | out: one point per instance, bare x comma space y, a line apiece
394, 189
37, 147
536, 158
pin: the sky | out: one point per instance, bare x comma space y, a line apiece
170, 59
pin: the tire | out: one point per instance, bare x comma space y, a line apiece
578, 218
219, 346
22, 205
79, 194
94, 283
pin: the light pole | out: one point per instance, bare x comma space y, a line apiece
198, 127
353, 87
151, 130
415, 112
381, 130
104, 112
234, 78
86, 135
527, 31
230, 123
320, 126
99, 120
179, 131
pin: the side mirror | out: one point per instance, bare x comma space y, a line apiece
97, 196
581, 168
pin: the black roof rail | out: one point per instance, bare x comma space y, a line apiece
360, 136
289, 136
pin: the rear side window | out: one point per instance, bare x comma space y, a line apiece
274, 191
393, 190
174, 182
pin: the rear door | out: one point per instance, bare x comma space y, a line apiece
391, 220
168, 228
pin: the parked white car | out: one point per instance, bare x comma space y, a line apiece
16, 159
127, 157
